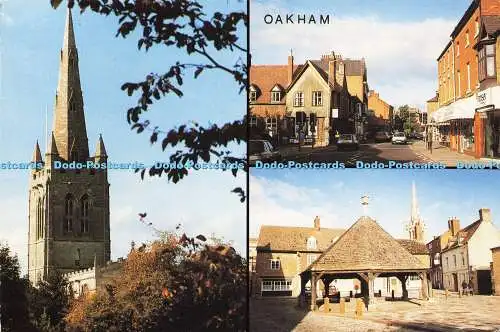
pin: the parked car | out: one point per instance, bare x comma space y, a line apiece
416, 135
399, 138
262, 150
382, 136
347, 141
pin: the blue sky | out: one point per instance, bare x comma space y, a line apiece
294, 198
31, 42
400, 40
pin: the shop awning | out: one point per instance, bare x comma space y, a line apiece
461, 109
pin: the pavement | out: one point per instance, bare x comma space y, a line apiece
415, 152
441, 154
439, 314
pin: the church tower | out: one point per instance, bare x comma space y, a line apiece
68, 208
416, 225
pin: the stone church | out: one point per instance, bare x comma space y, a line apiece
69, 226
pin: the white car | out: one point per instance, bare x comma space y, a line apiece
399, 138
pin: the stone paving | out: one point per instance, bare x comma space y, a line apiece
469, 313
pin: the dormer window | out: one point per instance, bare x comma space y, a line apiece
312, 243
253, 93
276, 94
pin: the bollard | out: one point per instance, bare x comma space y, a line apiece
459, 293
342, 306
380, 293
392, 294
359, 308
326, 305
350, 294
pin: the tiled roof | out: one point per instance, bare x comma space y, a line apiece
280, 238
464, 235
491, 24
266, 77
364, 247
414, 247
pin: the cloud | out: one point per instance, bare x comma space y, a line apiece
400, 56
279, 203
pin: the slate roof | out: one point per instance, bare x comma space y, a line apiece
414, 247
367, 247
280, 238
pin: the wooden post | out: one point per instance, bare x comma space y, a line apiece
342, 306
392, 294
424, 286
350, 294
446, 293
313, 291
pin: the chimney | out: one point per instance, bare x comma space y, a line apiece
316, 223
454, 225
290, 68
485, 215
331, 71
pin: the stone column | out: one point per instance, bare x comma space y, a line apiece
424, 287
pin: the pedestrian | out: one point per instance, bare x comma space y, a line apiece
301, 139
337, 136
429, 139
471, 287
464, 288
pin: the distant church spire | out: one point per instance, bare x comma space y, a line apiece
69, 121
37, 155
416, 225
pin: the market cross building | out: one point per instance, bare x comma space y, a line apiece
69, 225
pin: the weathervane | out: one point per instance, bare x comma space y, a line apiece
364, 203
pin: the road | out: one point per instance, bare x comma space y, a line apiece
371, 152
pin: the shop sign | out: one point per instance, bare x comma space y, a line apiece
483, 98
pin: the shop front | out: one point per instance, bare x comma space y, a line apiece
488, 122
455, 125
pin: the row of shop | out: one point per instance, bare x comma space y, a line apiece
470, 125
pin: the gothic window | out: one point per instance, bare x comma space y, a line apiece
68, 213
77, 257
84, 217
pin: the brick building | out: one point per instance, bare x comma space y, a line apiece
462, 67
68, 208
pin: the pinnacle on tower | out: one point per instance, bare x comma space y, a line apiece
37, 155
69, 120
100, 149
52, 148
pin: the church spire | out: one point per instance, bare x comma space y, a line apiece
69, 119
414, 204
416, 225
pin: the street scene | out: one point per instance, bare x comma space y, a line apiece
390, 252
342, 94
